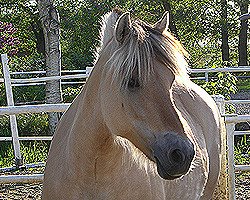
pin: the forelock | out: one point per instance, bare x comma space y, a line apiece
142, 46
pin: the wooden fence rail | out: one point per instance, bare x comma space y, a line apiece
14, 110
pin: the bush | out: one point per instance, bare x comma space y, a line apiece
222, 83
28, 125
69, 93
8, 39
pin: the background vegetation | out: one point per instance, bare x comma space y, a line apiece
209, 30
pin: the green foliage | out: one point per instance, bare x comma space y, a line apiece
22, 14
3, 100
198, 25
34, 152
196, 28
79, 30
28, 124
69, 93
30, 94
4, 126
33, 124
244, 85
6, 155
8, 40
222, 83
81, 23
27, 93
34, 62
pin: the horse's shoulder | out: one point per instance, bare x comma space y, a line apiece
195, 99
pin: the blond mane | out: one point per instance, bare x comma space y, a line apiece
143, 45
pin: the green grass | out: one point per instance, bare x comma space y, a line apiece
244, 85
32, 152
28, 125
242, 151
6, 155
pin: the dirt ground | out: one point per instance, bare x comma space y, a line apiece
242, 186
20, 191
34, 191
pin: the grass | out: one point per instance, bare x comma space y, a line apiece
32, 152
28, 125
242, 150
244, 85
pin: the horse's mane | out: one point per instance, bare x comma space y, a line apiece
142, 46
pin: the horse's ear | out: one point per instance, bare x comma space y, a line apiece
122, 28
163, 23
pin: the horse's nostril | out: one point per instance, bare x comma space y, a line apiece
177, 156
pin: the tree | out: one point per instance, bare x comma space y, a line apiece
51, 28
242, 48
224, 31
80, 26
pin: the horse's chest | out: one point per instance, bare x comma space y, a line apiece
129, 182
132, 182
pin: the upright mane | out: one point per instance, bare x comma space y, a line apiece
143, 45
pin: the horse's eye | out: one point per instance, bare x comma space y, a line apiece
133, 83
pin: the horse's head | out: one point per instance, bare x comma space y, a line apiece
139, 65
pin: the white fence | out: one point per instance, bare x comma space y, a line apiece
213, 70
230, 122
31, 109
13, 110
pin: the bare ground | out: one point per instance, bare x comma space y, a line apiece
242, 186
34, 191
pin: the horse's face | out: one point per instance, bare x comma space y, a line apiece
144, 112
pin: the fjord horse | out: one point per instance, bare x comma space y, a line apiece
140, 129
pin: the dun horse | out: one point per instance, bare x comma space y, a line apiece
140, 129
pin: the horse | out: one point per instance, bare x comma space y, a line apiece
140, 128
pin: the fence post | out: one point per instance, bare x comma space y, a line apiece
88, 71
220, 102
230, 128
229, 146
206, 76
10, 102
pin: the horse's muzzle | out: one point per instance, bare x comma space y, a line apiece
173, 156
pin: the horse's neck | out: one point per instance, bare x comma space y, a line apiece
89, 141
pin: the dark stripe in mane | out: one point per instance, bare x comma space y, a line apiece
143, 45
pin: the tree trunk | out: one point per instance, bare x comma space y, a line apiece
243, 36
39, 35
50, 21
224, 31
